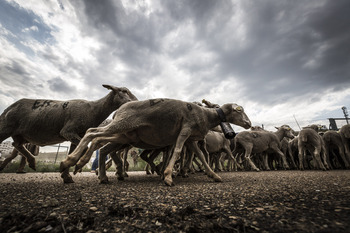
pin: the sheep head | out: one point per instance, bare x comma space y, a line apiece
345, 131
235, 114
122, 95
288, 131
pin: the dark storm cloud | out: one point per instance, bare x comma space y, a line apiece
277, 49
291, 48
59, 85
132, 38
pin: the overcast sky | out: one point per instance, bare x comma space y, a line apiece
281, 60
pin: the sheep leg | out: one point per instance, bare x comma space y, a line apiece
324, 158
21, 149
73, 157
301, 153
67, 178
265, 158
13, 155
147, 168
183, 159
109, 148
96, 143
248, 151
189, 162
235, 164
210, 173
218, 162
183, 136
166, 158
289, 152
117, 158
203, 148
125, 161
22, 164
149, 159
143, 156
283, 157
316, 156
344, 158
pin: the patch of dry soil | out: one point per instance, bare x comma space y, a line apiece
275, 201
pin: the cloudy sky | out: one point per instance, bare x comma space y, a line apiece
281, 60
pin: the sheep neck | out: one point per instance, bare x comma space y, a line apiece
105, 106
213, 118
280, 134
221, 114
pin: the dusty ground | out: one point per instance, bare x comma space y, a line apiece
276, 201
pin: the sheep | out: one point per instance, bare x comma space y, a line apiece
334, 142
310, 140
215, 144
45, 122
262, 141
285, 148
157, 123
345, 136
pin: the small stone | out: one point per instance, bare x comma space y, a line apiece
158, 223
53, 214
93, 208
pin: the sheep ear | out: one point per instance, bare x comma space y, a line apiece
109, 87
276, 127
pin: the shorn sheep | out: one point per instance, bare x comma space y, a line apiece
157, 123
345, 137
46, 122
335, 149
259, 141
310, 140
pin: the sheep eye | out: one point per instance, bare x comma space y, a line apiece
239, 108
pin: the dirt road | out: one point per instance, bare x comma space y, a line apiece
276, 201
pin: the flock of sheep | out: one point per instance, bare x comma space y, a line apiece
183, 131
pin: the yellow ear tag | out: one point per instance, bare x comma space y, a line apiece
238, 108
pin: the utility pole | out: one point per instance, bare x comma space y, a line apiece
296, 122
346, 115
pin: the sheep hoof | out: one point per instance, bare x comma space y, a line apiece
77, 169
68, 180
32, 165
168, 182
20, 172
104, 181
217, 179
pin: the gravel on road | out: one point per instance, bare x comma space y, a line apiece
269, 201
